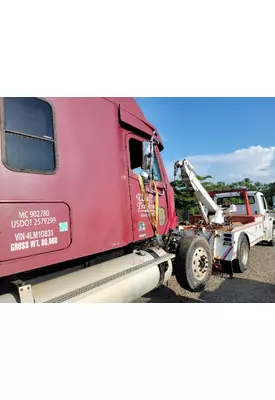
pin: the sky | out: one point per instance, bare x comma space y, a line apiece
227, 138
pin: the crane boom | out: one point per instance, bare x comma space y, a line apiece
190, 179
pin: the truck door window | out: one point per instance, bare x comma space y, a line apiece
136, 159
29, 135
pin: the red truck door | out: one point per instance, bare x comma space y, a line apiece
142, 225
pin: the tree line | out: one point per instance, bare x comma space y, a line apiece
186, 203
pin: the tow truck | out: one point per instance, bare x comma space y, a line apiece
230, 224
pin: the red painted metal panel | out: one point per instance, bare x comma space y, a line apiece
247, 204
28, 229
135, 122
129, 105
92, 178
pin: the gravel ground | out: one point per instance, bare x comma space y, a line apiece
257, 285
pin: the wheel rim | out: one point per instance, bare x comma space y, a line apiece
244, 253
200, 263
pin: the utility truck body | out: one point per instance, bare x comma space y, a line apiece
224, 240
231, 222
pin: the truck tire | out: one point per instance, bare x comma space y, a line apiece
241, 263
272, 241
193, 263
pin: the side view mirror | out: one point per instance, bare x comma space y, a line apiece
147, 155
145, 176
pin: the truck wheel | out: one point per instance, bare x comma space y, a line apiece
193, 263
241, 264
272, 241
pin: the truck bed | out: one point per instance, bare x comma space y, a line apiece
242, 219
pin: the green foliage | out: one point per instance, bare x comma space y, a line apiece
185, 201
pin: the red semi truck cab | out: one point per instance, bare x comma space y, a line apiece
69, 180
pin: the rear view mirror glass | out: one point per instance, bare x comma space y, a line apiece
146, 156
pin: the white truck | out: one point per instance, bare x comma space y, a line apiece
231, 222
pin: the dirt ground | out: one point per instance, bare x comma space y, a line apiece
257, 285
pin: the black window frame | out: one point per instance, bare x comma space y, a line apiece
22, 134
